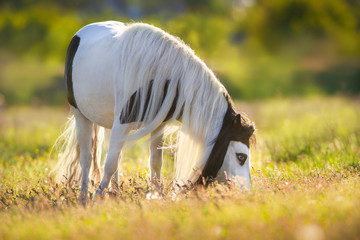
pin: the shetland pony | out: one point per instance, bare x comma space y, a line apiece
135, 79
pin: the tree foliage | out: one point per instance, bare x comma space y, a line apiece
274, 22
257, 48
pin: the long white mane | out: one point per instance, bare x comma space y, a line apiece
148, 54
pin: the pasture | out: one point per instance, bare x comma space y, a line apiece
305, 181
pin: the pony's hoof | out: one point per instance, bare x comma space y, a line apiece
83, 198
154, 195
83, 201
98, 195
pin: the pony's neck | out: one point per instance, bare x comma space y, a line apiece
218, 150
195, 153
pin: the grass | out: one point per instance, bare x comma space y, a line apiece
305, 172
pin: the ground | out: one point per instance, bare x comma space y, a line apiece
305, 181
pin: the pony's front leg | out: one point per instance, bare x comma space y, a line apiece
112, 160
156, 158
84, 138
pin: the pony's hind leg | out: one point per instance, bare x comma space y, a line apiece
112, 159
84, 138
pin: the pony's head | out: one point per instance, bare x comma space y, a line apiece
236, 165
230, 156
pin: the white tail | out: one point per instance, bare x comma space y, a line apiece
67, 169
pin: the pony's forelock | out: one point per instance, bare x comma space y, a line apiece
248, 129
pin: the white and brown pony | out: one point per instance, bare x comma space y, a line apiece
135, 79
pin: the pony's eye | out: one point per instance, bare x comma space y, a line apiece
241, 157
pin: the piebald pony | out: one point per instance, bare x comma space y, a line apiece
135, 79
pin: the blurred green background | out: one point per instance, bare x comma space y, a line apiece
258, 49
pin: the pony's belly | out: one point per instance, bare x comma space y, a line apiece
100, 114
93, 83
96, 104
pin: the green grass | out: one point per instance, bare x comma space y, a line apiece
305, 173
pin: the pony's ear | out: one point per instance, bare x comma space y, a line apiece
251, 129
237, 121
